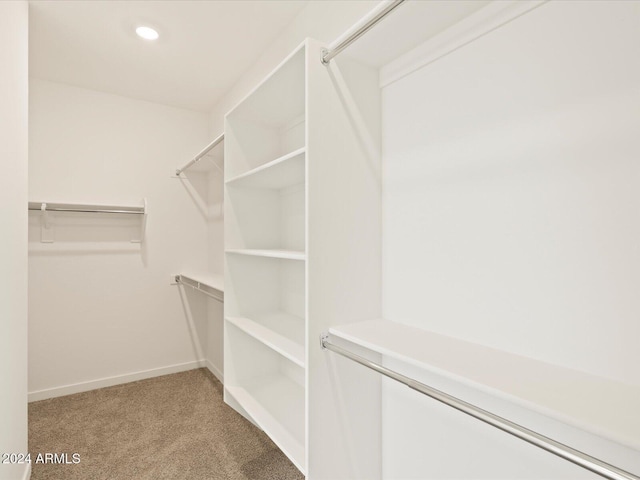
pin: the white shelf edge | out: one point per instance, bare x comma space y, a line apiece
200, 155
565, 414
266, 166
270, 253
275, 341
215, 282
270, 425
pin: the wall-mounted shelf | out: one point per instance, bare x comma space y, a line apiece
209, 152
47, 233
564, 394
271, 253
211, 285
87, 208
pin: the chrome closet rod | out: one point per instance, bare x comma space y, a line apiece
561, 450
186, 281
202, 153
68, 207
327, 55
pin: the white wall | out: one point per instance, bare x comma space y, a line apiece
101, 306
14, 36
510, 214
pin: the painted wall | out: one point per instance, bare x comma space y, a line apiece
14, 35
101, 309
510, 218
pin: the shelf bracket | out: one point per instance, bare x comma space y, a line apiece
46, 228
324, 338
143, 224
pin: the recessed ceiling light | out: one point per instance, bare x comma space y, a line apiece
147, 33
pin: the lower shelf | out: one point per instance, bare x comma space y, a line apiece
276, 404
278, 330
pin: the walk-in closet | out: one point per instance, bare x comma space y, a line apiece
322, 240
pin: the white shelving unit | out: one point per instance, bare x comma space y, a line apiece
302, 219
265, 257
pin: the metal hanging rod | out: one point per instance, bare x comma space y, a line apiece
327, 55
70, 207
201, 287
575, 456
202, 153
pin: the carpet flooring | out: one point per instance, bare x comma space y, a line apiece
172, 427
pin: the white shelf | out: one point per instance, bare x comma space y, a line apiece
269, 253
211, 280
212, 159
276, 404
280, 331
282, 172
599, 405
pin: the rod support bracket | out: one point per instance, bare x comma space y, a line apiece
324, 337
323, 53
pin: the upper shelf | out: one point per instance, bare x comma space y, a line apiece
86, 208
214, 158
409, 25
283, 172
47, 232
600, 405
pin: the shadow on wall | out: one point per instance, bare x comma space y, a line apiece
86, 233
204, 184
194, 306
346, 76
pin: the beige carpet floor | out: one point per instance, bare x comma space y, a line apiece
171, 427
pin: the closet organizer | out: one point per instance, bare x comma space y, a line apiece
302, 202
302, 224
208, 162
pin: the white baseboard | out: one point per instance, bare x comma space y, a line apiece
117, 380
216, 371
27, 472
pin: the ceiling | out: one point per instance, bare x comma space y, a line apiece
204, 46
